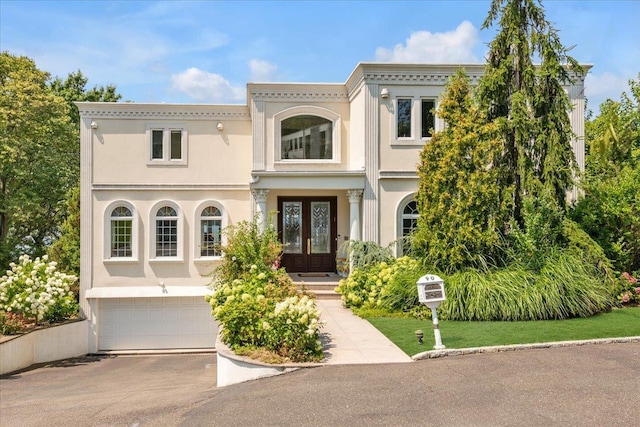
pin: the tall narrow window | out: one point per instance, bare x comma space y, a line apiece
157, 152
166, 232
176, 144
121, 232
210, 227
409, 220
403, 118
428, 117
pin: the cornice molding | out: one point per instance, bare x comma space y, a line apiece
172, 187
132, 111
310, 92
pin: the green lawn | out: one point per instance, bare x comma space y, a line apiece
617, 323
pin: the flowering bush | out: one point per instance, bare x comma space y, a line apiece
35, 290
12, 323
257, 303
389, 285
629, 293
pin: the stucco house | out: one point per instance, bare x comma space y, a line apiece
331, 161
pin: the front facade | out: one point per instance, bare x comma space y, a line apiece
324, 163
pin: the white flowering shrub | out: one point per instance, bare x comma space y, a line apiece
36, 290
294, 327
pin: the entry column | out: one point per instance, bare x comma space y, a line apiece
354, 213
261, 201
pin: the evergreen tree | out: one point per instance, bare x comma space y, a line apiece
527, 102
458, 197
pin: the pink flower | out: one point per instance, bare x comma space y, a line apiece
629, 277
638, 290
626, 297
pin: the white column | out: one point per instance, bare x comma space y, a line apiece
354, 213
261, 201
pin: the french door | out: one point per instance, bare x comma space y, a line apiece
307, 230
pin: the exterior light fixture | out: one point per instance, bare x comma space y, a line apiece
384, 93
220, 127
94, 125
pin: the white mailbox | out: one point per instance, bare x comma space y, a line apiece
431, 293
431, 289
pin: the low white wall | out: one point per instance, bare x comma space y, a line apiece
234, 369
44, 345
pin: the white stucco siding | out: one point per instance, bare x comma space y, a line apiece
144, 271
393, 192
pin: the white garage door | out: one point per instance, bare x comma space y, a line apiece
155, 323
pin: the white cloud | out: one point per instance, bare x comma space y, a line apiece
204, 86
423, 46
599, 87
262, 71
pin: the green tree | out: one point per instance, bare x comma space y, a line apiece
37, 158
527, 102
460, 203
74, 88
66, 250
610, 209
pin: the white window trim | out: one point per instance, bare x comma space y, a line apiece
196, 239
166, 144
107, 258
399, 217
311, 111
152, 233
416, 138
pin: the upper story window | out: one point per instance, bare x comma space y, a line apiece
403, 118
306, 137
210, 232
413, 119
167, 145
428, 121
120, 242
307, 134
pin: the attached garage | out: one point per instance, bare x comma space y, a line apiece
137, 321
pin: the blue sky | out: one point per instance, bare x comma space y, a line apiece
206, 51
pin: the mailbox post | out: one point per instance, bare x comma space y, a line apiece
431, 294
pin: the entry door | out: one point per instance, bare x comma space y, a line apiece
307, 230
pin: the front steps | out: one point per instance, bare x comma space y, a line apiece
322, 286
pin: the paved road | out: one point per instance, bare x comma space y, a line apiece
594, 385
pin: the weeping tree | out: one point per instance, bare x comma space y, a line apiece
494, 177
522, 93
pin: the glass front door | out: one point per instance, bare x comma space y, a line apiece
307, 229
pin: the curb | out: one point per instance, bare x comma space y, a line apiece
434, 354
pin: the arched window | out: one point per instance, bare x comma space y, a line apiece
166, 239
121, 225
210, 228
306, 137
408, 222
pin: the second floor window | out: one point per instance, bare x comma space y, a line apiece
167, 146
403, 121
428, 117
306, 137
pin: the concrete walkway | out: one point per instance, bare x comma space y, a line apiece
349, 340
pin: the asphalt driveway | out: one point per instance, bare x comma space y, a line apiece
585, 385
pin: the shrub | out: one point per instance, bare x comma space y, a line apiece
258, 304
388, 285
565, 287
34, 289
12, 323
628, 290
